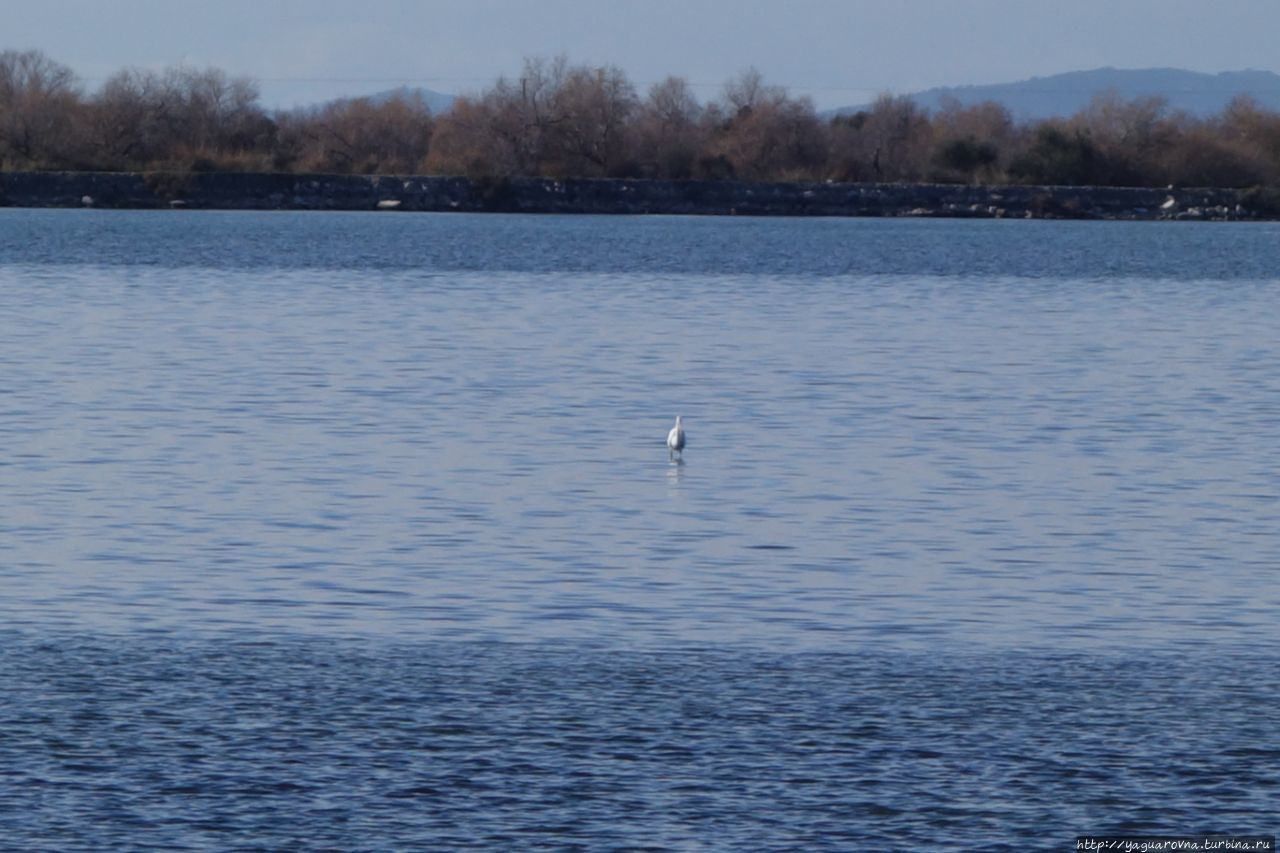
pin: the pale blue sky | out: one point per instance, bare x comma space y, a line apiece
839, 51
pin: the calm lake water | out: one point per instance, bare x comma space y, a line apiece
351, 531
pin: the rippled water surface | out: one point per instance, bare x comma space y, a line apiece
358, 531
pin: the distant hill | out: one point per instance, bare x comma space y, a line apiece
1065, 94
438, 102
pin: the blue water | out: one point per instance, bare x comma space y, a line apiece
345, 531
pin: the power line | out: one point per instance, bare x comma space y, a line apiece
488, 80
1011, 89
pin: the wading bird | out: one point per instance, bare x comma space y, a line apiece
675, 439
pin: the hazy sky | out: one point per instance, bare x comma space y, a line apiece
839, 51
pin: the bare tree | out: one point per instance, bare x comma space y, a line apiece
129, 119
38, 102
553, 119
669, 130
1129, 136
525, 113
890, 142
358, 135
596, 106
1255, 132
765, 134
747, 90
220, 113
464, 144
179, 117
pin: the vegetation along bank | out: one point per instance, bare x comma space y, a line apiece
576, 138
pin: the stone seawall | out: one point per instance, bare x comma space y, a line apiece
234, 191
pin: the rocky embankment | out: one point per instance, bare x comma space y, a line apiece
234, 191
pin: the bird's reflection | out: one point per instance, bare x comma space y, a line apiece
675, 472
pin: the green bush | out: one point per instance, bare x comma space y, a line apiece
1059, 158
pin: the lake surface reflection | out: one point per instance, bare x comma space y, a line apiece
359, 531
255, 441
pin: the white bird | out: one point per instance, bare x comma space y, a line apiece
675, 438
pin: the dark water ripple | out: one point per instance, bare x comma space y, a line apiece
170, 744
629, 245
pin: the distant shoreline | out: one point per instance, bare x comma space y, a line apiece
271, 191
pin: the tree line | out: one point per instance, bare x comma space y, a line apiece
558, 119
